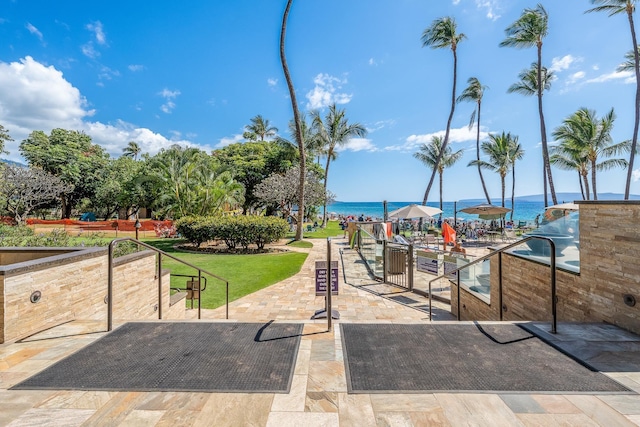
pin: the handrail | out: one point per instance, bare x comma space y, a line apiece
552, 245
160, 253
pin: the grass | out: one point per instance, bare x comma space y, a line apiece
246, 273
332, 230
305, 244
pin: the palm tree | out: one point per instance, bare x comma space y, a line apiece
497, 149
313, 146
474, 92
590, 137
429, 154
296, 118
516, 152
614, 7
629, 63
529, 30
132, 150
567, 157
333, 132
441, 34
259, 129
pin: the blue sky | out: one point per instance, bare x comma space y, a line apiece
195, 72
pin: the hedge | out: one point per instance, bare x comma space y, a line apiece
235, 231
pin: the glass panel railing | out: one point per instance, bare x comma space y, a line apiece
372, 251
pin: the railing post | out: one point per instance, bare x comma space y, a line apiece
159, 285
500, 284
554, 298
110, 288
199, 293
410, 263
227, 300
329, 284
384, 261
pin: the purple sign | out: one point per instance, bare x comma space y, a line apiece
321, 277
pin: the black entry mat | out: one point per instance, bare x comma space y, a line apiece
222, 357
382, 358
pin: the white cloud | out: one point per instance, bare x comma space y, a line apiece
96, 29
33, 30
326, 92
89, 50
229, 140
380, 124
37, 97
455, 2
596, 67
135, 67
168, 95
272, 82
358, 144
490, 6
462, 134
635, 175
561, 64
628, 77
372, 61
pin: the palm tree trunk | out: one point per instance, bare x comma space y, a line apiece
326, 177
634, 141
503, 187
513, 190
296, 118
441, 181
543, 132
581, 186
593, 179
446, 133
586, 184
484, 186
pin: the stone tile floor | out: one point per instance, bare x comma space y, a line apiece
318, 394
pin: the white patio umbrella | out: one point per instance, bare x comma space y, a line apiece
414, 211
565, 207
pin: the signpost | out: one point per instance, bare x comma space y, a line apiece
323, 277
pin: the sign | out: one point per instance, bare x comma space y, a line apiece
450, 264
427, 262
321, 278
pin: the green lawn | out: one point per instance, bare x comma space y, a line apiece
245, 273
332, 230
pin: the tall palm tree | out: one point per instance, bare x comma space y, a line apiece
614, 7
589, 136
296, 118
313, 145
629, 63
132, 150
567, 157
334, 131
497, 149
528, 31
474, 92
259, 129
429, 154
516, 152
442, 34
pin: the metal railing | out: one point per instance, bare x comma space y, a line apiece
159, 274
499, 252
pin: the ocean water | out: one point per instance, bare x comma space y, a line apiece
524, 210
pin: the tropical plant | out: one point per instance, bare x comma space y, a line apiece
298, 123
313, 145
334, 131
527, 31
132, 150
259, 129
4, 138
435, 157
442, 34
474, 93
569, 158
629, 63
585, 135
528, 83
498, 150
615, 7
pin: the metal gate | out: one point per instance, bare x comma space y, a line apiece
398, 265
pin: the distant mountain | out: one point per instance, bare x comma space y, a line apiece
12, 163
562, 198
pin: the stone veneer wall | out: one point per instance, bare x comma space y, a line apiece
609, 270
76, 289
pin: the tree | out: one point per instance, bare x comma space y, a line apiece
629, 63
441, 34
313, 145
333, 132
70, 156
569, 158
259, 129
516, 152
585, 135
4, 138
528, 83
474, 92
528, 31
132, 150
498, 149
296, 119
26, 189
615, 7
429, 154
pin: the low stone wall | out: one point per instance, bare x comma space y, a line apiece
74, 286
603, 291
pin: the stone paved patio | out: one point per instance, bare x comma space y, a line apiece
318, 395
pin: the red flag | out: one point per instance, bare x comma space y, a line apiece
448, 233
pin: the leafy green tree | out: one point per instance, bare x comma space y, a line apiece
132, 150
429, 154
628, 7
251, 162
70, 156
259, 129
590, 137
296, 119
334, 131
120, 188
443, 34
527, 31
498, 150
4, 138
474, 93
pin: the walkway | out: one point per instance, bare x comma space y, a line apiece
318, 394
